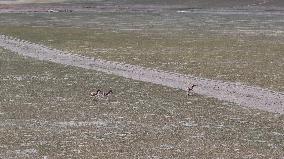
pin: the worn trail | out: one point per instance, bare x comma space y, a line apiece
248, 96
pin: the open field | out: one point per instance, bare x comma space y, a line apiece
247, 96
242, 50
46, 111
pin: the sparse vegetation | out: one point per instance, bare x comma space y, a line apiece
46, 110
212, 56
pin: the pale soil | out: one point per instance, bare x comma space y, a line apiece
253, 97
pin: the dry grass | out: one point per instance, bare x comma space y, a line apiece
46, 110
239, 59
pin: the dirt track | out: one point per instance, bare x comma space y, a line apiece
243, 95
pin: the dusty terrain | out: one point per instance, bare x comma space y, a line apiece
232, 92
46, 112
53, 55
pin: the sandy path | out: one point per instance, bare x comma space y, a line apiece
243, 95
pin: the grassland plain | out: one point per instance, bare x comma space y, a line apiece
256, 60
46, 110
248, 96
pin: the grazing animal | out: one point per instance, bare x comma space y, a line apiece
190, 89
100, 93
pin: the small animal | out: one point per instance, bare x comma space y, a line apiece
190, 89
100, 93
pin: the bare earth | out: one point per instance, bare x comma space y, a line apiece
253, 97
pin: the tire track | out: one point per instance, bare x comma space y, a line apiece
248, 96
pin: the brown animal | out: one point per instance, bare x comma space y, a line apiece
100, 93
190, 89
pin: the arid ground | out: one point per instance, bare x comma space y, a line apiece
232, 50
